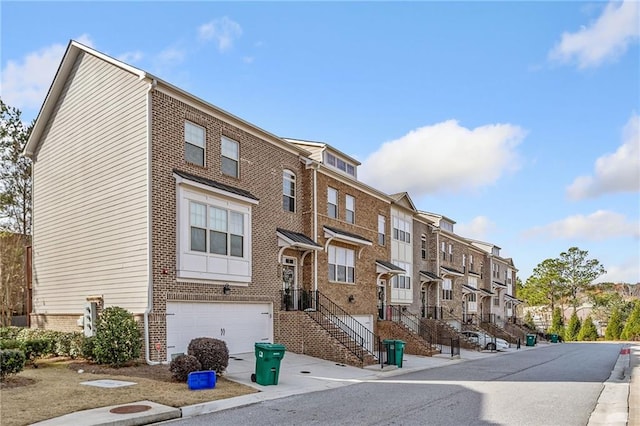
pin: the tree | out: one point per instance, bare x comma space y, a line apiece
631, 330
588, 331
614, 326
557, 323
578, 272
544, 286
12, 276
573, 328
15, 172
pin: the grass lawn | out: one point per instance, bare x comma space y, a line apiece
53, 389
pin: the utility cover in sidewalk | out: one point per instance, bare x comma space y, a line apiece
108, 383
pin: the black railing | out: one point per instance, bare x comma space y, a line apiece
411, 321
490, 318
433, 312
455, 347
469, 318
352, 334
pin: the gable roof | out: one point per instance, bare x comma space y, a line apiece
75, 49
403, 199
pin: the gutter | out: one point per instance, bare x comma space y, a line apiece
147, 355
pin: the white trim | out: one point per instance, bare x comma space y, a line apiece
213, 282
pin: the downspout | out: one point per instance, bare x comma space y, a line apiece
438, 283
315, 226
152, 85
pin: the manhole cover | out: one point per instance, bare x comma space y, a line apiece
129, 409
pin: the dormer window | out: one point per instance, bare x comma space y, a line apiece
339, 164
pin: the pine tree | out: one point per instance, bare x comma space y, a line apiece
557, 323
615, 325
573, 328
631, 329
588, 331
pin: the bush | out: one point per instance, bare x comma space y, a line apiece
117, 340
9, 344
11, 362
9, 333
35, 348
182, 365
86, 347
212, 353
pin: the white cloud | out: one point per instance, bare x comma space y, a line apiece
606, 38
131, 57
444, 157
617, 172
223, 31
626, 272
598, 226
171, 56
477, 229
25, 82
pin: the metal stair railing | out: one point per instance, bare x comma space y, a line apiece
353, 335
413, 324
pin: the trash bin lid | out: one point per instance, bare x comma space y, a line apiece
270, 346
388, 341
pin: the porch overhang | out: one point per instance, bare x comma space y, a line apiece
486, 293
387, 268
467, 289
510, 298
426, 276
295, 240
451, 272
335, 234
498, 285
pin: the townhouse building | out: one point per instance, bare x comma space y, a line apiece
203, 224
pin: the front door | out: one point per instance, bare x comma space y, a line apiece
423, 301
381, 298
290, 283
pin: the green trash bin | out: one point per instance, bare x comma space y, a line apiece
399, 352
390, 345
268, 357
554, 338
531, 339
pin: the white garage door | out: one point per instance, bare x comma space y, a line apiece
240, 325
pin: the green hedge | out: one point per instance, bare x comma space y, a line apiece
11, 362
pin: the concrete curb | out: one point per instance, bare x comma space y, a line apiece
612, 408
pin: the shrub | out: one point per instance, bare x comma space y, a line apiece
86, 347
182, 365
9, 333
9, 344
34, 349
11, 362
117, 340
212, 353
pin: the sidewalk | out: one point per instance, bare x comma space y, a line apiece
303, 374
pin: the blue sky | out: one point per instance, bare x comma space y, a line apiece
518, 120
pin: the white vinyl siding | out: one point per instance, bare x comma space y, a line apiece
90, 194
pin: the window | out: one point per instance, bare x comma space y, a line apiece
447, 290
341, 265
230, 157
350, 205
450, 252
226, 230
194, 138
401, 230
332, 202
496, 301
473, 282
288, 191
381, 226
402, 281
423, 247
443, 249
464, 262
496, 270
340, 164
471, 262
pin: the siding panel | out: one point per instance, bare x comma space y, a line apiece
90, 194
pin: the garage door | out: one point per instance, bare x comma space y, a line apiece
240, 325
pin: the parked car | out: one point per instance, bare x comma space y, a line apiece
486, 341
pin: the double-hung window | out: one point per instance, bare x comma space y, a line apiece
402, 281
332, 202
443, 250
230, 157
288, 191
225, 229
350, 206
447, 289
194, 146
450, 252
401, 230
381, 226
423, 247
341, 264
